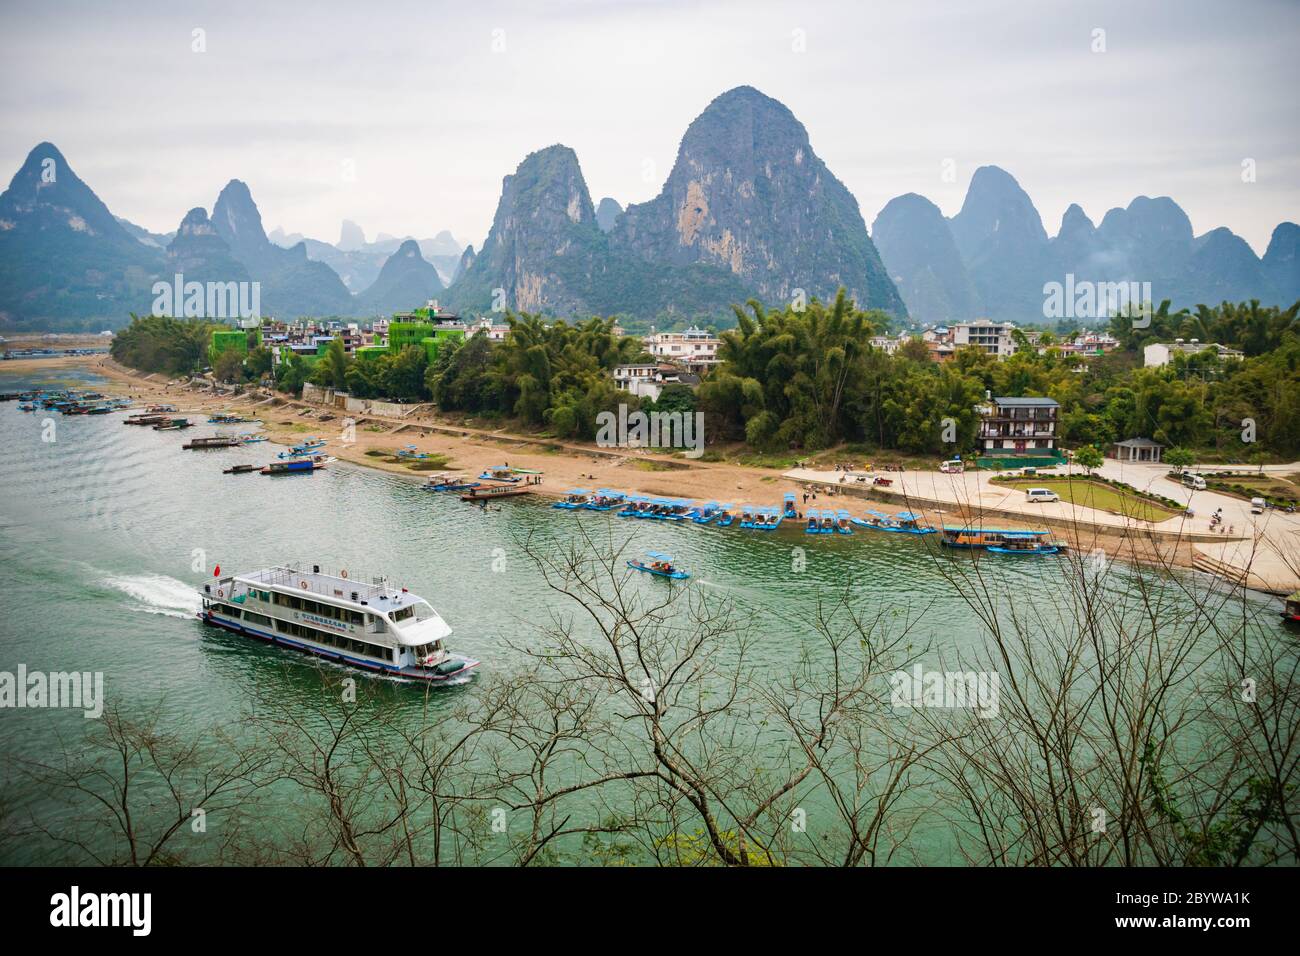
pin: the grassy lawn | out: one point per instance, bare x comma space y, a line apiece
1275, 488
1103, 497
650, 464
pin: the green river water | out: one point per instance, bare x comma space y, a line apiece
99, 531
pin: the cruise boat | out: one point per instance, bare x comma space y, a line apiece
373, 626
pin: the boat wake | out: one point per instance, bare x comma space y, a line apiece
158, 594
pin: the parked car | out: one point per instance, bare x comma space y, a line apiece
1042, 494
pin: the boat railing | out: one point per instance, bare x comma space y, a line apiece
323, 581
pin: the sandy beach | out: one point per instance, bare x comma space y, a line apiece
566, 465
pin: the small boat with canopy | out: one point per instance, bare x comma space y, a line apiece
573, 499
659, 564
605, 499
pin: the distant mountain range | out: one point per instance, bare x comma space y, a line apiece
993, 258
66, 263
748, 211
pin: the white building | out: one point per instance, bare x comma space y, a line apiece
695, 349
993, 337
887, 344
649, 380
484, 326
1158, 354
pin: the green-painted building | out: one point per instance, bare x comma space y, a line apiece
242, 340
402, 334
426, 335
433, 343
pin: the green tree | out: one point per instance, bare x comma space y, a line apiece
332, 368
1179, 458
1089, 457
229, 366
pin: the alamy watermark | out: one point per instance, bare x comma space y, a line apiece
76, 690
651, 429
207, 300
1084, 299
975, 690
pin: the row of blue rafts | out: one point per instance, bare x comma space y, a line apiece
767, 518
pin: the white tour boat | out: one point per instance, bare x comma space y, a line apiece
368, 625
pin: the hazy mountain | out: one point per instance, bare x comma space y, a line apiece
1003, 244
200, 254
1006, 255
747, 211
351, 237
1222, 267
443, 244
1150, 241
65, 261
546, 253
406, 282
291, 284
917, 248
466, 260
748, 195
607, 213
156, 239
1076, 242
544, 248
281, 238
1282, 262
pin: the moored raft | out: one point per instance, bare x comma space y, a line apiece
605, 499
999, 540
573, 499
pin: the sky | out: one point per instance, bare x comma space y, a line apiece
405, 116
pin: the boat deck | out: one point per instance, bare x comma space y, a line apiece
341, 585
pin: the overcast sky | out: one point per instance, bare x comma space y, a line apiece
405, 116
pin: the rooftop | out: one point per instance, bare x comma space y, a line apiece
374, 590
1021, 402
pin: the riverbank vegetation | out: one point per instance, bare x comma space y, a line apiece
804, 380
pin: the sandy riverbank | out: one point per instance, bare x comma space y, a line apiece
27, 366
569, 465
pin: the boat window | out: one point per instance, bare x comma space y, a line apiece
402, 613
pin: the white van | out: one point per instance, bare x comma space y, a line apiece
1257, 506
1042, 494
1195, 482
953, 466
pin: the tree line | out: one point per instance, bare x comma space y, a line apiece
810, 378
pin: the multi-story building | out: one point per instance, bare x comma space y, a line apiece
1019, 428
888, 344
695, 349
993, 337
485, 326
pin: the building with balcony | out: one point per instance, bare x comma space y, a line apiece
695, 349
1019, 431
993, 337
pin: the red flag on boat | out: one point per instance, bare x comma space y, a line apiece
216, 572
